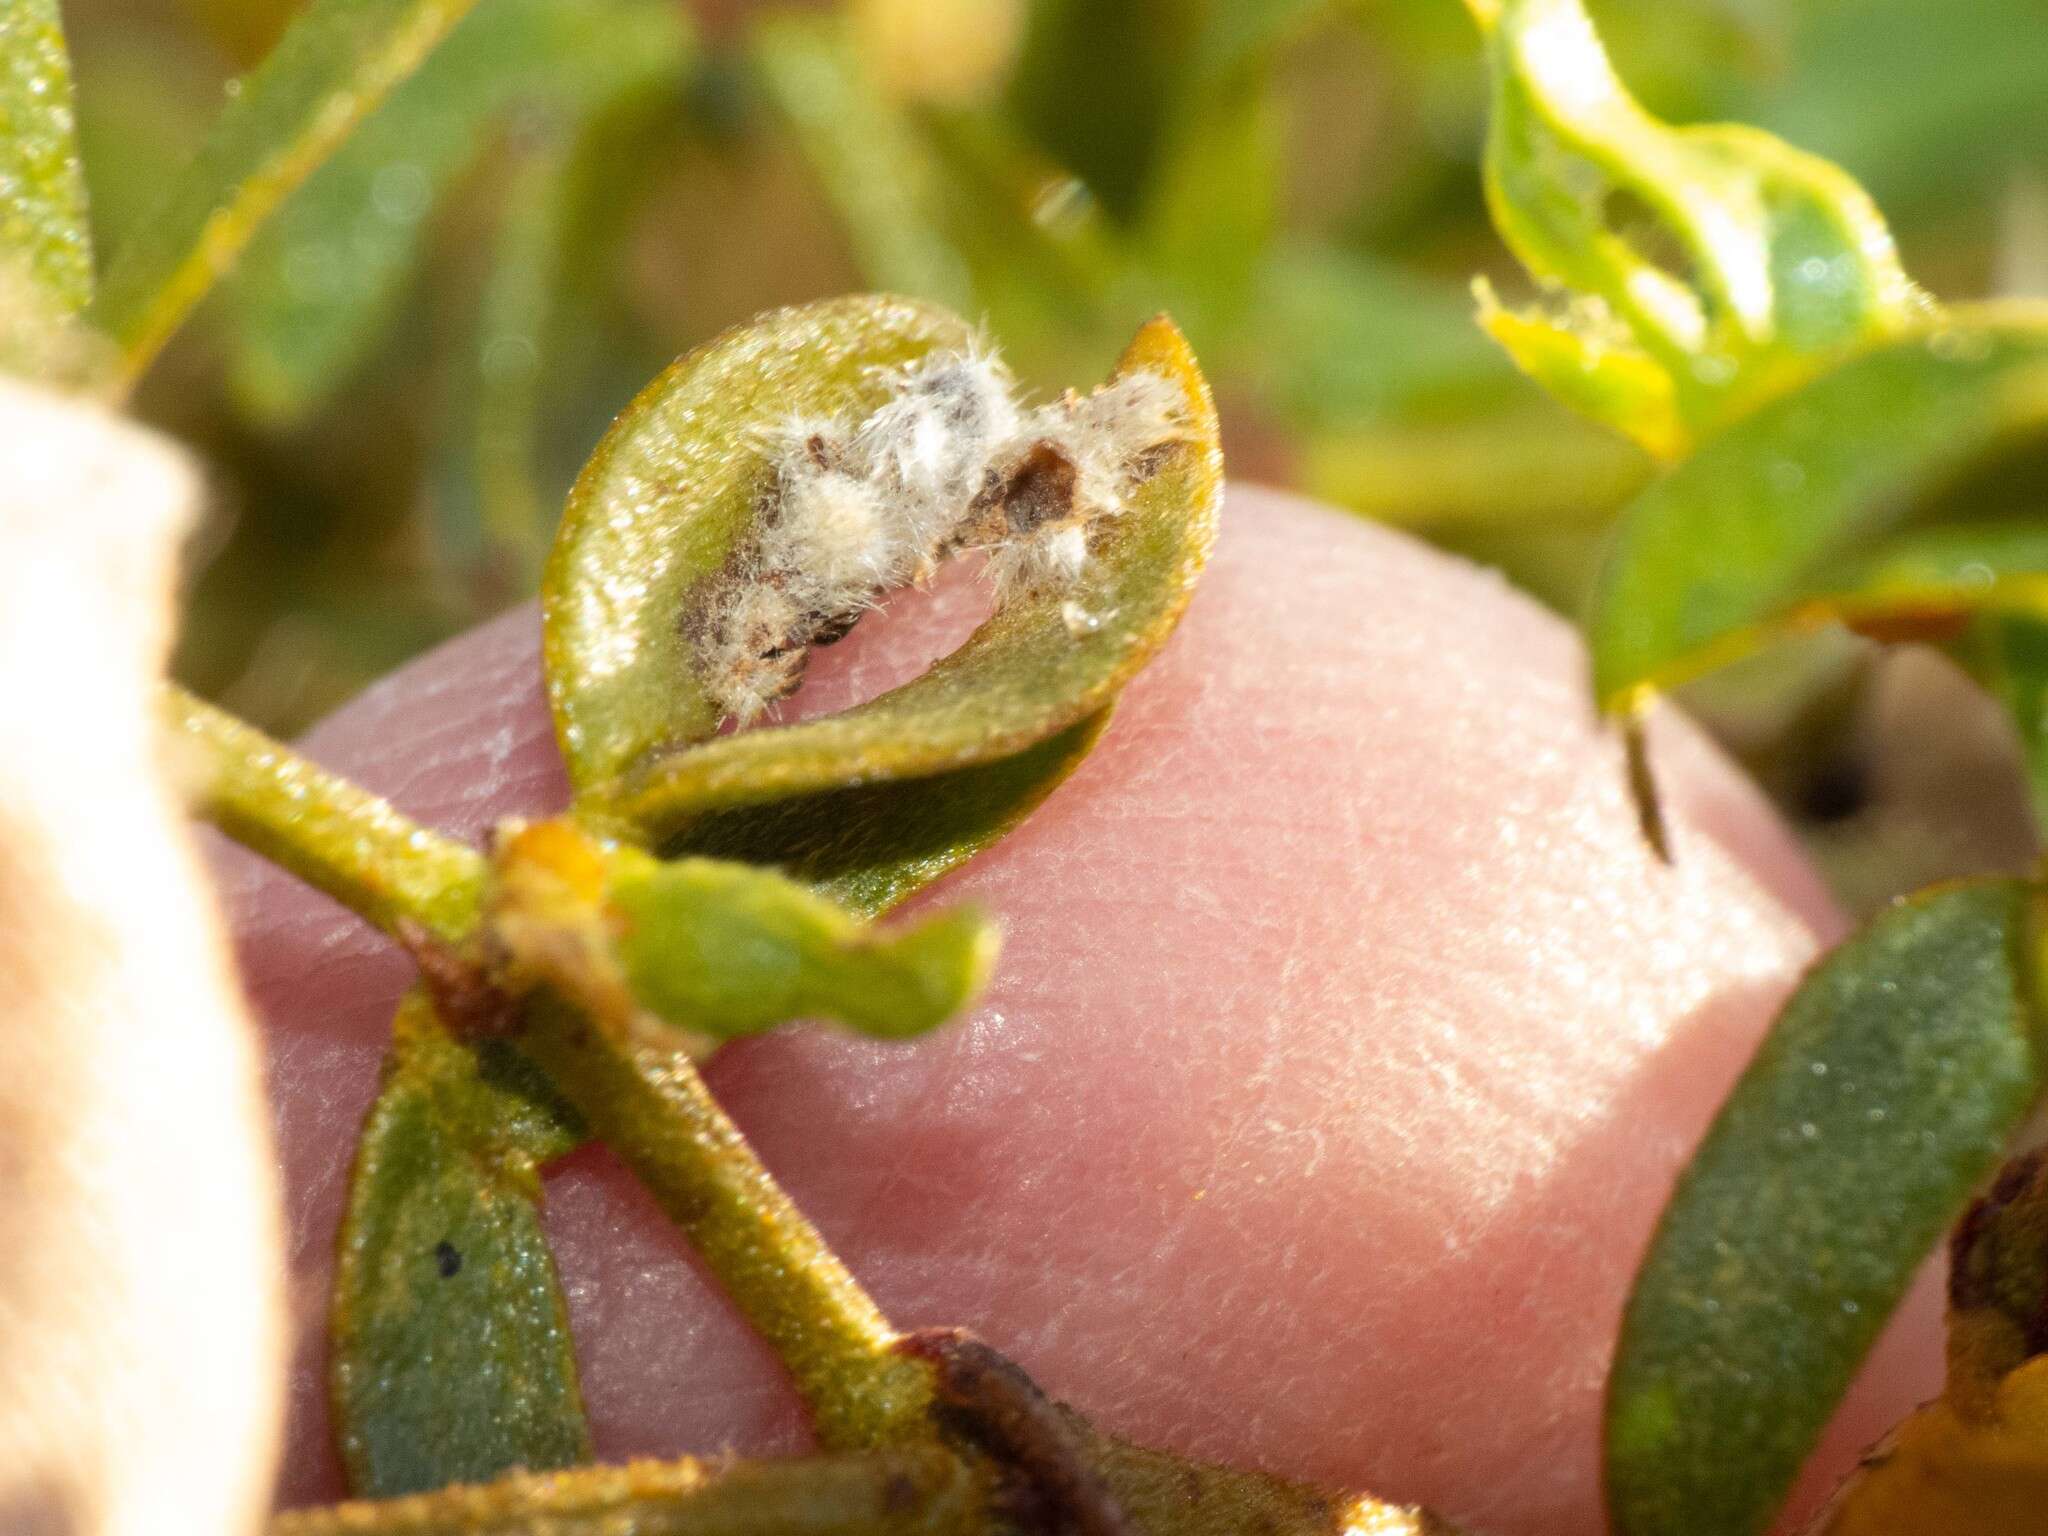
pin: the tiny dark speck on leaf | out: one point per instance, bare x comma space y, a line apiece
447, 1259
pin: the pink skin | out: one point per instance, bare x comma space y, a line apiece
1345, 1043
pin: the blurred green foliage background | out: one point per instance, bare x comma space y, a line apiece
412, 361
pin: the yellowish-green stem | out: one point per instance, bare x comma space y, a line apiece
649, 1105
918, 1492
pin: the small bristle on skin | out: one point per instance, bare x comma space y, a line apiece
866, 506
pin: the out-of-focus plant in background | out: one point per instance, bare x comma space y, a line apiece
402, 376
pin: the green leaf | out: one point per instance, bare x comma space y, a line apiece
868, 155
713, 948
1778, 260
325, 275
1884, 1092
2008, 654
727, 949
667, 499
333, 67
42, 189
872, 847
451, 1351
1025, 675
1781, 522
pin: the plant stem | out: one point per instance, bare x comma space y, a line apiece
910, 1492
336, 837
649, 1105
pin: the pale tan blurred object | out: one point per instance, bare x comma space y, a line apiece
140, 1272
947, 52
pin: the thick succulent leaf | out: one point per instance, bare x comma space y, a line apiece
333, 67
728, 949
873, 846
868, 155
714, 948
670, 495
1024, 676
451, 1355
42, 190
325, 275
1883, 1093
1781, 522
1786, 262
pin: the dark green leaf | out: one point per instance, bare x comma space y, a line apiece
325, 275
451, 1352
333, 67
42, 191
873, 846
1781, 521
1884, 1092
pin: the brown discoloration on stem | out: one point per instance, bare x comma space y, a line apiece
986, 1398
464, 997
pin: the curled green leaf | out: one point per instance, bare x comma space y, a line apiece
1053, 654
333, 67
451, 1354
1779, 261
1804, 513
717, 949
667, 502
1885, 1091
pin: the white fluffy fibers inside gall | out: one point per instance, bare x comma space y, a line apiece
950, 461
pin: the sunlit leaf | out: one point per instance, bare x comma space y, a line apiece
42, 190
1884, 1092
1782, 521
451, 1355
335, 65
1025, 675
1778, 259
719, 949
867, 154
324, 277
667, 499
